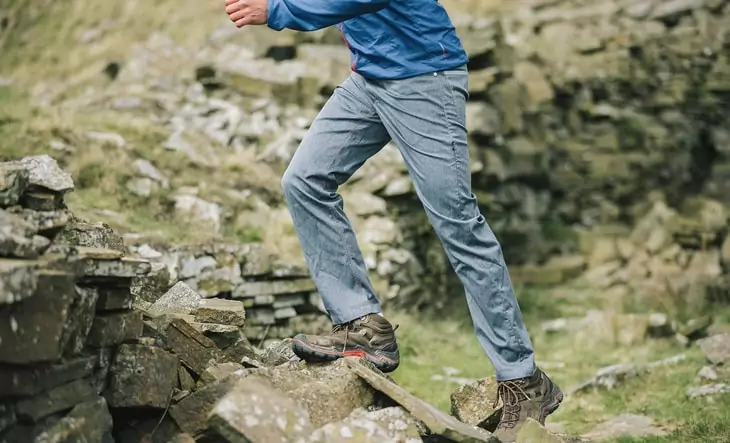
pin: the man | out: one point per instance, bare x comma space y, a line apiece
409, 85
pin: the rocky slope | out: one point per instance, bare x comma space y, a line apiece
582, 115
85, 357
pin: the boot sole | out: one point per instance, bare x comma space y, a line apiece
312, 353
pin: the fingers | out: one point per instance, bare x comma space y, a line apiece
233, 6
244, 21
239, 14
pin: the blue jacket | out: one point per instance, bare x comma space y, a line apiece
388, 39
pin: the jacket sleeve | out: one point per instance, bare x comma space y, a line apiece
311, 15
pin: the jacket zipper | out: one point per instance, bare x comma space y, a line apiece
344, 38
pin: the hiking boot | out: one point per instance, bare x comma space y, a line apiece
370, 337
534, 397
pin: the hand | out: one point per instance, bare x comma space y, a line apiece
247, 12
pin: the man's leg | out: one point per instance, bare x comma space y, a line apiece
425, 116
344, 135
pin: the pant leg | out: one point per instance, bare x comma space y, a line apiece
426, 116
344, 135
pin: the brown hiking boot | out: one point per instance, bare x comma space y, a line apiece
370, 337
534, 397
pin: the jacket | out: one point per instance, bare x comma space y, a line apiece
388, 39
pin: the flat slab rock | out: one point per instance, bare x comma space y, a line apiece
437, 421
625, 425
44, 172
87, 422
388, 425
256, 412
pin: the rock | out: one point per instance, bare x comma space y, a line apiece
91, 235
196, 351
44, 172
33, 331
329, 391
610, 377
708, 390
534, 432
18, 280
141, 376
82, 311
18, 239
474, 403
435, 420
707, 373
197, 210
626, 425
153, 285
220, 371
31, 380
275, 287
115, 328
48, 223
389, 425
111, 268
191, 413
278, 353
180, 299
114, 299
254, 411
148, 170
88, 422
716, 348
226, 312
55, 400
13, 182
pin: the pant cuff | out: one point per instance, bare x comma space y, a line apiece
524, 369
339, 316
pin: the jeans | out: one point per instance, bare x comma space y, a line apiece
425, 117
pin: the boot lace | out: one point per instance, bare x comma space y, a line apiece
512, 394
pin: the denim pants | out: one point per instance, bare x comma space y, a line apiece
425, 117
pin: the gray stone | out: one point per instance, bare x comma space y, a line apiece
31, 380
227, 312
196, 351
437, 422
13, 182
707, 373
220, 371
33, 331
180, 299
275, 287
255, 412
18, 280
44, 172
115, 328
716, 348
534, 432
626, 425
18, 239
87, 422
142, 376
82, 312
57, 399
90, 235
474, 403
191, 413
114, 299
708, 390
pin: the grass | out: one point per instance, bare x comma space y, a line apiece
429, 346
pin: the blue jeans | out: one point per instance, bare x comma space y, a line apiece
425, 117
